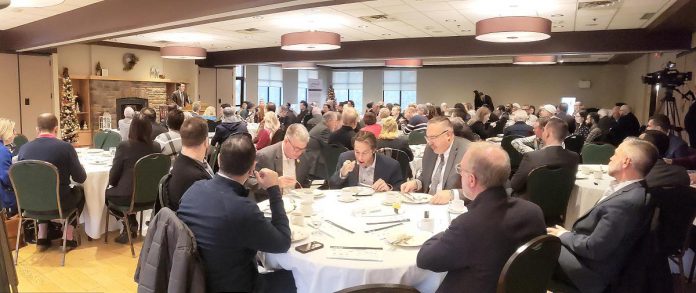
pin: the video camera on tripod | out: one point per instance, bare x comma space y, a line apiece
668, 79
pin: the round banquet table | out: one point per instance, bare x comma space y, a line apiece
95, 185
315, 272
586, 192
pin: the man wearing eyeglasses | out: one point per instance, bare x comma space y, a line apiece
364, 167
288, 158
443, 152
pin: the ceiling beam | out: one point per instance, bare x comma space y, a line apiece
586, 42
681, 15
110, 19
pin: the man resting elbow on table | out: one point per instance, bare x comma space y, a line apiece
363, 166
443, 152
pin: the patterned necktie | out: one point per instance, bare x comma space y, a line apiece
438, 175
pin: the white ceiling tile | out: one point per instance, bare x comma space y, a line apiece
382, 3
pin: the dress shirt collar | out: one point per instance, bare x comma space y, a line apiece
238, 188
282, 152
48, 135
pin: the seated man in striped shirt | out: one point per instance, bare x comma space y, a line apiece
531, 143
418, 122
170, 141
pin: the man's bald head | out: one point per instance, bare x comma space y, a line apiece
489, 164
47, 122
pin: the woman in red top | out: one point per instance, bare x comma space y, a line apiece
267, 129
371, 124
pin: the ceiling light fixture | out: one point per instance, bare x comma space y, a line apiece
310, 41
513, 29
534, 59
403, 63
183, 53
299, 65
35, 3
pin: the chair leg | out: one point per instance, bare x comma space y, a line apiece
19, 236
130, 240
65, 239
141, 224
106, 228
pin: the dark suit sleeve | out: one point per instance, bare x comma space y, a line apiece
519, 180
217, 137
395, 176
616, 220
335, 181
273, 236
117, 168
436, 254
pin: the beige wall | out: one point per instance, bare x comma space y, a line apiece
9, 82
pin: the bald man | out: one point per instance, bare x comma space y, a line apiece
473, 262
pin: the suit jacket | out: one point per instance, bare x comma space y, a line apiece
519, 128
289, 119
271, 157
320, 132
553, 156
596, 248
185, 172
473, 263
677, 148
225, 129
180, 98
452, 180
121, 173
230, 229
627, 125
386, 169
157, 130
480, 100
312, 121
343, 136
663, 174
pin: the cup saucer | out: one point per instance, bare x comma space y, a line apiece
349, 199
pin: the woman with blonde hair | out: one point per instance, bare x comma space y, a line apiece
389, 137
7, 196
269, 131
209, 113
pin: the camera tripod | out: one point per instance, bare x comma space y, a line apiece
669, 105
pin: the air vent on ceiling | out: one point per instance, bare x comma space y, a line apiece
598, 4
647, 16
250, 31
377, 18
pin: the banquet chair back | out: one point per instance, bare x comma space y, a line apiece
574, 143
401, 157
380, 288
515, 156
36, 187
330, 153
550, 189
212, 161
147, 173
417, 137
20, 140
597, 153
106, 139
163, 193
529, 269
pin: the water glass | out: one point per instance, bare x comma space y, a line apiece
112, 150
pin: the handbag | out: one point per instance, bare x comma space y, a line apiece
11, 225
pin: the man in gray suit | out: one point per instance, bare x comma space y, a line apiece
180, 97
288, 158
441, 156
323, 130
597, 247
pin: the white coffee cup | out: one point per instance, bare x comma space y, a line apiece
297, 218
306, 208
586, 170
597, 174
426, 224
307, 197
346, 196
457, 204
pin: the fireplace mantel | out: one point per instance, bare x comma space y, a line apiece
113, 78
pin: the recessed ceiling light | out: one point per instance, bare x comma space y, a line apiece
228, 47
428, 27
386, 35
257, 17
362, 26
591, 24
466, 30
557, 15
437, 32
450, 20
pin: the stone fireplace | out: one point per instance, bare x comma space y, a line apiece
136, 104
105, 96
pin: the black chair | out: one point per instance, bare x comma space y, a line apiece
550, 189
163, 194
574, 143
380, 288
417, 137
401, 157
515, 156
529, 269
330, 153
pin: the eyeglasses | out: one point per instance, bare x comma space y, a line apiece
295, 148
429, 138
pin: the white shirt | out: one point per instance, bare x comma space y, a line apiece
366, 175
288, 164
615, 186
442, 174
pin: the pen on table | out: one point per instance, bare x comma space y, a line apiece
389, 222
339, 226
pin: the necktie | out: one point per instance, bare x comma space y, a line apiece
438, 175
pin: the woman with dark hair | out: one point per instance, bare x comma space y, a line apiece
581, 128
432, 112
461, 129
371, 124
128, 153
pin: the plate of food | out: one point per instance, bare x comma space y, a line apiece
298, 233
306, 191
408, 238
289, 205
359, 190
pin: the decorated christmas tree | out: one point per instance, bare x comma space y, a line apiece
331, 95
69, 125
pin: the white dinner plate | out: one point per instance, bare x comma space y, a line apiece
418, 198
359, 190
346, 200
94, 151
411, 238
299, 233
287, 203
306, 191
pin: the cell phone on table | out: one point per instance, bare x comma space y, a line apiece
309, 247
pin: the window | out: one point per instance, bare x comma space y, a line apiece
400, 86
239, 84
303, 77
348, 85
271, 84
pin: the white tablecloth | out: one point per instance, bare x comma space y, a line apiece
586, 192
97, 180
314, 272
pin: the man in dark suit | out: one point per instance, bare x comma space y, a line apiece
287, 116
569, 119
440, 158
304, 112
677, 147
606, 121
151, 115
228, 226
552, 154
379, 171
180, 97
663, 174
344, 135
190, 166
46, 147
520, 127
596, 249
475, 247
322, 131
626, 126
